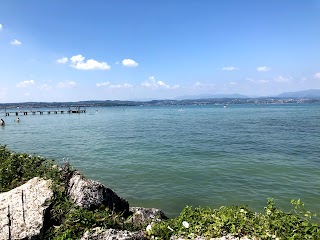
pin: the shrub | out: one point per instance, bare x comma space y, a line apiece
239, 222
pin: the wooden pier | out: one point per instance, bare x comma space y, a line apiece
41, 112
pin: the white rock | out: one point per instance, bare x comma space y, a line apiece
90, 194
22, 210
111, 234
146, 215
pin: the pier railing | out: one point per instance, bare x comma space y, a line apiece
8, 112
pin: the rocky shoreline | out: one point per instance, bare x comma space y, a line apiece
24, 210
40, 200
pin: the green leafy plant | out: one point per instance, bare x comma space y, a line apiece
240, 221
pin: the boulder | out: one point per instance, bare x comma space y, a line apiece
89, 194
111, 234
23, 209
146, 215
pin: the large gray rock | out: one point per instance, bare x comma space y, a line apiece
89, 194
146, 215
112, 234
22, 210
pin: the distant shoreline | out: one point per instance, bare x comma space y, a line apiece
187, 102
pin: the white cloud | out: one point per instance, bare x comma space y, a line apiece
66, 84
62, 60
204, 85
129, 63
153, 83
317, 75
262, 81
263, 69
109, 85
78, 62
230, 68
1, 26
45, 86
103, 84
15, 42
25, 83
233, 83
281, 79
125, 85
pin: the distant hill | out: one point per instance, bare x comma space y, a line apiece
312, 93
209, 96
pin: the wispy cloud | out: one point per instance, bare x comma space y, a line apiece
66, 84
282, 79
233, 83
109, 85
129, 63
103, 84
125, 85
62, 60
230, 68
153, 83
1, 26
261, 81
78, 62
204, 85
25, 83
15, 42
263, 69
45, 87
317, 75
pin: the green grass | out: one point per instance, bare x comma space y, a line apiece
67, 221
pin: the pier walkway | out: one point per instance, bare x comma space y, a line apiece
41, 112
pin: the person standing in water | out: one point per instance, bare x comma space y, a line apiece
2, 123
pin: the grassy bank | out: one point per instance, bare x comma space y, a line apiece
66, 221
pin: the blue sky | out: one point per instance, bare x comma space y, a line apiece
151, 49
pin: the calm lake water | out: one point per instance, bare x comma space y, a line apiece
169, 157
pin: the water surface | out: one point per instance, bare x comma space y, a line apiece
169, 157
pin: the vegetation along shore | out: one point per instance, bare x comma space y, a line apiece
41, 200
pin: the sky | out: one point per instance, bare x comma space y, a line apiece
57, 51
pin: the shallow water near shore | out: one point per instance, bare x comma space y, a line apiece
169, 157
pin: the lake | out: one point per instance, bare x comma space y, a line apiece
169, 157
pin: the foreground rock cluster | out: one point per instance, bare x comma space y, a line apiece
23, 210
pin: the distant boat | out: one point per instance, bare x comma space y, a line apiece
225, 106
181, 110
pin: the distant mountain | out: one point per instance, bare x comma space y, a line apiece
209, 96
312, 93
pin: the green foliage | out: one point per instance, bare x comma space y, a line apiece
18, 168
78, 220
240, 221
